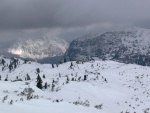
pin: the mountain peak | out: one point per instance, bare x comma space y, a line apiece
39, 48
131, 45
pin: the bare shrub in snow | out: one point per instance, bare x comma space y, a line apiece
5, 98
11, 102
85, 103
98, 106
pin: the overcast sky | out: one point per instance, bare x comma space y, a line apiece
69, 19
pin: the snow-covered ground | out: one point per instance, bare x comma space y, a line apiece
116, 87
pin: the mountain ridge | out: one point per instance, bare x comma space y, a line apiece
38, 48
131, 45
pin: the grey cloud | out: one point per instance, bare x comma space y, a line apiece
70, 18
18, 14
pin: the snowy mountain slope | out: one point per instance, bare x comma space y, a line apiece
24, 106
116, 86
131, 45
38, 48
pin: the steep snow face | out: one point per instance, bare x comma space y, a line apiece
39, 48
131, 45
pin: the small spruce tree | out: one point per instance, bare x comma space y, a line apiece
84, 77
45, 85
52, 65
38, 70
3, 62
39, 82
28, 77
65, 60
71, 64
6, 79
43, 76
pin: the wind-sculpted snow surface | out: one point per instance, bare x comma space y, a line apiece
131, 45
77, 87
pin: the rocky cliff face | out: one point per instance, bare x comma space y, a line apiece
131, 45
